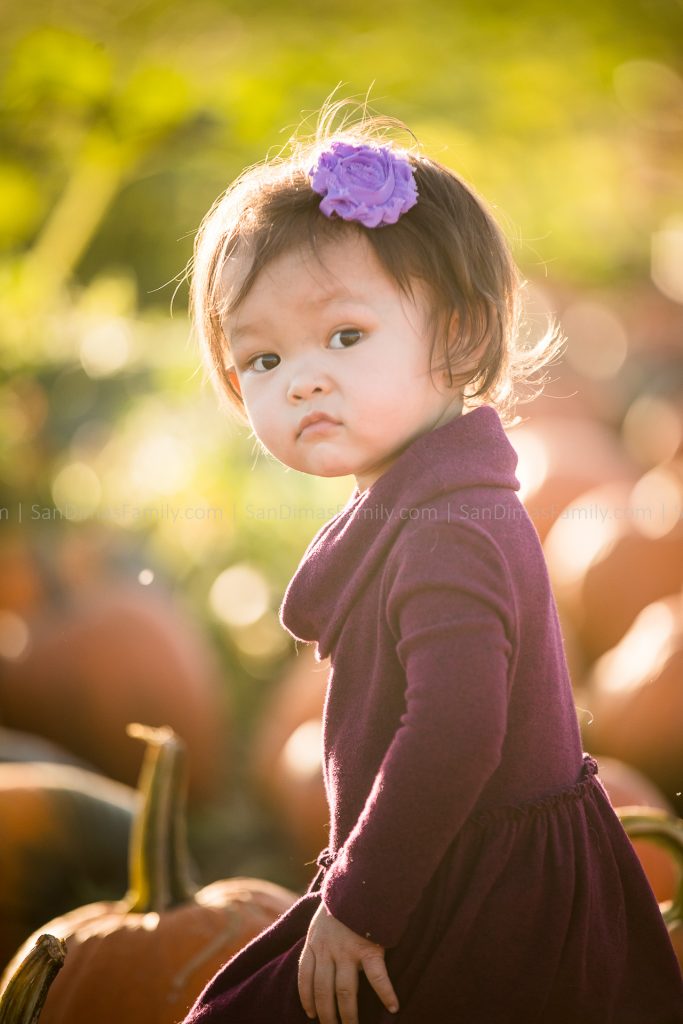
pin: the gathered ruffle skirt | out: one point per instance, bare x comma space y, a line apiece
537, 914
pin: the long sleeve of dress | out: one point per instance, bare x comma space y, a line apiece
449, 606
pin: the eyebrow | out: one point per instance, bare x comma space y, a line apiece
236, 336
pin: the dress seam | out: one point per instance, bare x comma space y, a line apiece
542, 806
509, 812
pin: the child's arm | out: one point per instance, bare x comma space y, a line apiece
451, 609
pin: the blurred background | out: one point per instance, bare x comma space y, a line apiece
145, 542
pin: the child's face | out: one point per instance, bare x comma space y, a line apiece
343, 340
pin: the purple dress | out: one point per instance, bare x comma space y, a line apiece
470, 835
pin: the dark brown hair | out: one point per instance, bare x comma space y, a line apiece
449, 240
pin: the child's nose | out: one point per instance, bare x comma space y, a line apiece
307, 380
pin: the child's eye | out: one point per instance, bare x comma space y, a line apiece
251, 364
348, 336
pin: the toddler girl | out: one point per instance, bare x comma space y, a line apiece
359, 305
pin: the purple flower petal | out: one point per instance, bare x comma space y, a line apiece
369, 184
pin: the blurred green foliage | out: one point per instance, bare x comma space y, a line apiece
154, 108
122, 121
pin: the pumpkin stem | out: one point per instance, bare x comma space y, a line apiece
159, 862
665, 830
26, 990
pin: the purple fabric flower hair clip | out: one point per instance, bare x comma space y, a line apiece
370, 184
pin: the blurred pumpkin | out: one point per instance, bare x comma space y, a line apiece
666, 830
286, 753
110, 653
635, 696
26, 992
628, 787
147, 956
560, 457
652, 427
25, 746
614, 551
21, 587
65, 834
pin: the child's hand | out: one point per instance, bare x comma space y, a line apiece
329, 964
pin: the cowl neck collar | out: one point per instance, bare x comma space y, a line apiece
469, 451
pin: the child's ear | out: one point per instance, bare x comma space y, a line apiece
474, 358
234, 383
453, 332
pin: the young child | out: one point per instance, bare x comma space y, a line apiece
359, 304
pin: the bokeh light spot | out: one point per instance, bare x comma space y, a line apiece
161, 463
645, 646
14, 636
533, 464
302, 751
667, 259
652, 429
598, 345
659, 492
239, 596
76, 491
106, 347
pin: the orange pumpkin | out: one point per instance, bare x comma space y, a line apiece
667, 831
162, 943
614, 551
635, 696
25, 747
286, 755
110, 654
27, 989
65, 833
628, 787
21, 587
560, 457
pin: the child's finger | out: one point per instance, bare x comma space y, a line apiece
376, 973
323, 991
346, 984
305, 982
